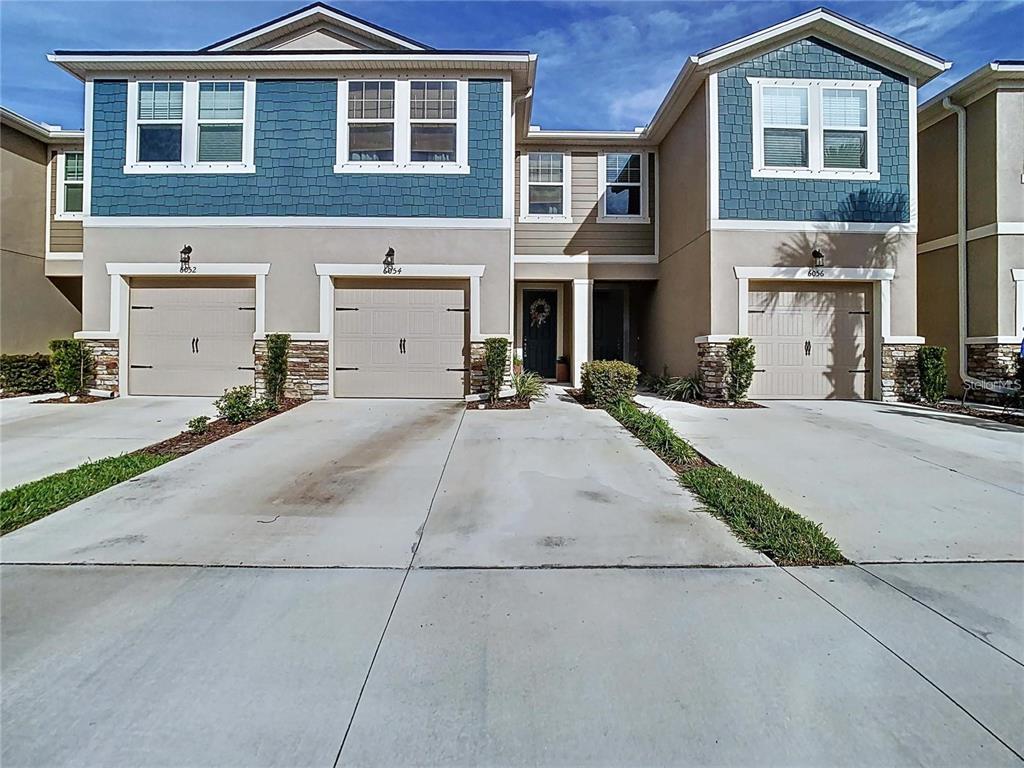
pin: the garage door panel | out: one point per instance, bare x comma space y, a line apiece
370, 341
811, 340
190, 339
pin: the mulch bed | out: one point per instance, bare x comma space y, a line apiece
217, 429
1014, 418
76, 400
502, 405
726, 404
577, 395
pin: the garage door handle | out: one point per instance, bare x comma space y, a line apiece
807, 347
346, 369
195, 345
401, 346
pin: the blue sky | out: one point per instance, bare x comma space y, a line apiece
603, 65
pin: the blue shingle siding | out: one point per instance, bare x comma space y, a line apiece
295, 153
745, 197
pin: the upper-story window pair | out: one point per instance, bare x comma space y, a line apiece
403, 125
546, 187
70, 184
190, 126
815, 128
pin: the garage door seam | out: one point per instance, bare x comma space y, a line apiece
914, 669
940, 614
405, 577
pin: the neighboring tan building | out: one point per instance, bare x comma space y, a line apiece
42, 173
256, 186
991, 223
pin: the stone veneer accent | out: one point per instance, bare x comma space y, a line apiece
712, 367
991, 362
477, 374
309, 375
901, 380
106, 364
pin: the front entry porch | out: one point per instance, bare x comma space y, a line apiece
561, 324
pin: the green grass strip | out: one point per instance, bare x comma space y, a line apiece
27, 503
757, 519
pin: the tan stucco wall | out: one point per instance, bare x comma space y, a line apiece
679, 310
33, 310
1010, 155
292, 300
982, 287
937, 318
1011, 256
937, 187
981, 162
584, 235
793, 249
684, 178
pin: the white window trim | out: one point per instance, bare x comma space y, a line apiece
190, 132
815, 130
602, 186
60, 214
525, 216
402, 162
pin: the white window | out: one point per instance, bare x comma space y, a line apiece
545, 186
815, 128
70, 184
190, 126
622, 187
403, 126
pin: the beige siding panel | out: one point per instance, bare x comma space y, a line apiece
812, 342
65, 236
584, 235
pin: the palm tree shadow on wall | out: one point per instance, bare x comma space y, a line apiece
843, 248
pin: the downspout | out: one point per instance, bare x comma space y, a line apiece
961, 246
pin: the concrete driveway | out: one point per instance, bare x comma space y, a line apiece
891, 482
405, 583
38, 439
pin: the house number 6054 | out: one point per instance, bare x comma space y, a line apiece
391, 269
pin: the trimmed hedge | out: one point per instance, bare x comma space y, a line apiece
275, 372
495, 363
30, 374
71, 361
605, 382
931, 364
740, 352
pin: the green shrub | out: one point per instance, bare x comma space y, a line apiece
607, 381
740, 353
198, 425
275, 372
26, 373
528, 386
240, 404
495, 363
681, 388
931, 364
654, 432
71, 361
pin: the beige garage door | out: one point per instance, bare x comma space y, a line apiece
399, 340
190, 336
812, 342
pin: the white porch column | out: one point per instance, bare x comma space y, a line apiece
582, 326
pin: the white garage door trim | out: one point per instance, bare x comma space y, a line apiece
121, 272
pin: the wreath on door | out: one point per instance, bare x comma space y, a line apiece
540, 311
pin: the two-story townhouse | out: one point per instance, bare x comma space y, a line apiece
317, 175
971, 239
773, 195
42, 169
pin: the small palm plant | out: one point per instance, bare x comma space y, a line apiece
528, 386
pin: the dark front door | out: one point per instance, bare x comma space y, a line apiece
540, 331
609, 311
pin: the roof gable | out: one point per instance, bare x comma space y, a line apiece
317, 26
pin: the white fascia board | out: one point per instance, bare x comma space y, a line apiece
972, 87
206, 269
298, 222
327, 14
240, 61
818, 20
853, 227
39, 130
408, 270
